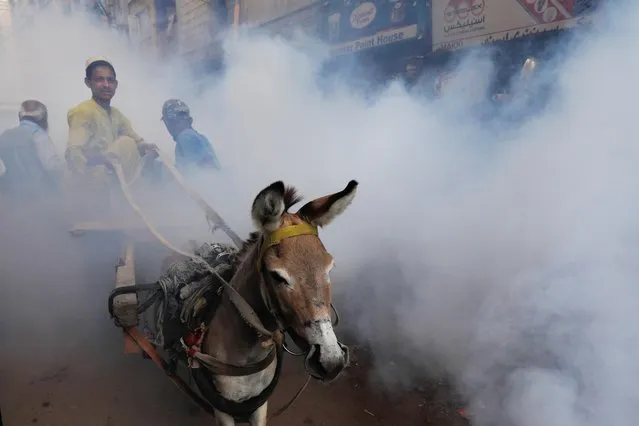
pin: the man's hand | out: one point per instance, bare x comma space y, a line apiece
106, 160
149, 149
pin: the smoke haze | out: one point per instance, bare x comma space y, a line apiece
505, 259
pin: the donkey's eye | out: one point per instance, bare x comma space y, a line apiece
277, 278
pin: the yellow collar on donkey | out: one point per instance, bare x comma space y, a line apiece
276, 237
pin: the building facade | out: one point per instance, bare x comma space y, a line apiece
397, 37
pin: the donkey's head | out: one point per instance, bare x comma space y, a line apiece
295, 268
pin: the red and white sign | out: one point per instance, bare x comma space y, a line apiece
461, 23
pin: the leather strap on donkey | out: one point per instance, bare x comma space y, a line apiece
241, 411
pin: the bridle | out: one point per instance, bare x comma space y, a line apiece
271, 240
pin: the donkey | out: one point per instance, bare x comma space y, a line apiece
283, 274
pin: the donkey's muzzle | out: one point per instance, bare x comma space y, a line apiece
326, 369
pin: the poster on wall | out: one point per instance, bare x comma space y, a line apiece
356, 26
462, 23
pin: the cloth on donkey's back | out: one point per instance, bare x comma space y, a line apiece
184, 282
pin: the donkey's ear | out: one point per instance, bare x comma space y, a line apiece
268, 207
322, 211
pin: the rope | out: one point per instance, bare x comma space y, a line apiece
211, 215
158, 332
243, 308
190, 305
168, 287
292, 401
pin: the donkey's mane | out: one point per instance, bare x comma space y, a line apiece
291, 197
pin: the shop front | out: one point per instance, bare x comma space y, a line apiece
377, 34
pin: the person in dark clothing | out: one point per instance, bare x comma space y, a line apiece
30, 163
192, 149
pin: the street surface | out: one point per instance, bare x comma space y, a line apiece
62, 360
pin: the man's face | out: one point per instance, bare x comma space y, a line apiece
171, 125
176, 125
102, 83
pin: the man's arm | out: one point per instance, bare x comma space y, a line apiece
143, 147
127, 130
79, 135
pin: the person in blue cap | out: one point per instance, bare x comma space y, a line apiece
192, 149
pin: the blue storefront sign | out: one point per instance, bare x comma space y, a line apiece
351, 26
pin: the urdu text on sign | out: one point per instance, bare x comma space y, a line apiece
461, 23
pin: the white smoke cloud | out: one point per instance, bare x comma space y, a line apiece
506, 259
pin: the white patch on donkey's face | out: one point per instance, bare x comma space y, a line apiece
321, 333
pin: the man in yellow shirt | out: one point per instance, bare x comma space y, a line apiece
99, 132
